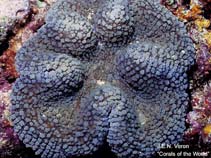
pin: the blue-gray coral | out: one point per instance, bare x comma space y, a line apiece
114, 22
113, 70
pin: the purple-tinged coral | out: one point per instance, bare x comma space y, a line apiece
91, 75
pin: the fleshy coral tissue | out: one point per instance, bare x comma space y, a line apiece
103, 70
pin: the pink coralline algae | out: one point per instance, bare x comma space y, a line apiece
200, 118
204, 59
8, 139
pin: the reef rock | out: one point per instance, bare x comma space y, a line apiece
11, 13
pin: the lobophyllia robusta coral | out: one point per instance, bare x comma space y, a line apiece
99, 70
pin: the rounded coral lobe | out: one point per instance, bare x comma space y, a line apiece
143, 67
114, 22
70, 35
99, 71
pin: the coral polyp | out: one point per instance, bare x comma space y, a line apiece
96, 71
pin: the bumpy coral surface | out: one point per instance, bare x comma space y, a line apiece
103, 70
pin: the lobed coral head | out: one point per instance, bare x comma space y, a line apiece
130, 87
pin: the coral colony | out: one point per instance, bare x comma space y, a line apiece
100, 70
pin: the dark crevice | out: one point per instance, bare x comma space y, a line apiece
198, 79
5, 44
186, 3
11, 80
206, 8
